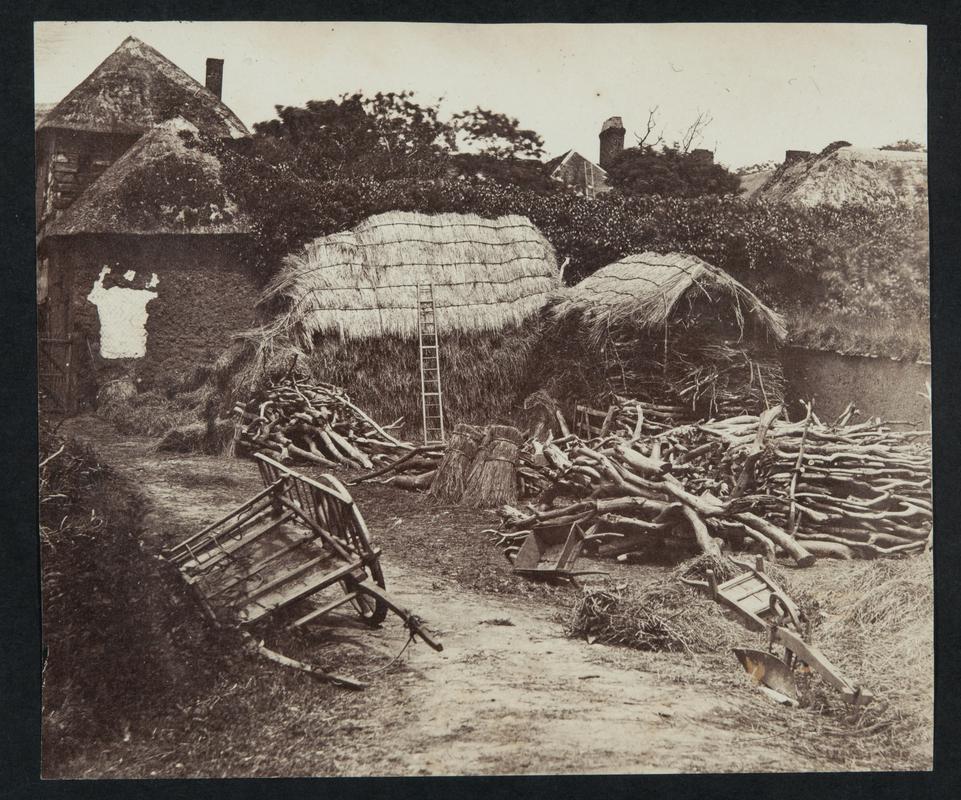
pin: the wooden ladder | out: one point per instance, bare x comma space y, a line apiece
431, 397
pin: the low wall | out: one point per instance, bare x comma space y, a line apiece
892, 390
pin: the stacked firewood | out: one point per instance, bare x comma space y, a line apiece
805, 489
315, 422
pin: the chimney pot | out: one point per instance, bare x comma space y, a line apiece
612, 140
793, 156
215, 76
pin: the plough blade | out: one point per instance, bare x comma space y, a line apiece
768, 670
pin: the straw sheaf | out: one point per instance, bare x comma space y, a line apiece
644, 290
486, 275
135, 88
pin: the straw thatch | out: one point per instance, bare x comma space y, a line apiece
487, 274
849, 175
644, 291
668, 329
136, 88
169, 182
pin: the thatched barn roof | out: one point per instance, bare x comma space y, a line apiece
487, 274
860, 176
134, 89
644, 290
169, 182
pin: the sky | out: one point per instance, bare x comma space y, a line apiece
767, 87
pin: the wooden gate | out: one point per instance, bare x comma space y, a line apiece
56, 374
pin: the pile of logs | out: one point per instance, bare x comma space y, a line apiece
804, 489
315, 422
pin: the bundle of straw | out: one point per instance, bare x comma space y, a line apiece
450, 479
492, 480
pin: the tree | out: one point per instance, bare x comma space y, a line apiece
497, 135
670, 172
675, 170
388, 135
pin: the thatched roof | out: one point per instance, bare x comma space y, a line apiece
168, 182
134, 89
487, 274
40, 110
851, 175
644, 291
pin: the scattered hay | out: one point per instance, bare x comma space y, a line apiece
145, 414
667, 616
880, 632
214, 438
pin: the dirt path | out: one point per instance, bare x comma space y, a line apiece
509, 694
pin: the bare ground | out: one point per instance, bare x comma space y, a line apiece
509, 694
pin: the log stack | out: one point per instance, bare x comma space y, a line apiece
802, 489
315, 422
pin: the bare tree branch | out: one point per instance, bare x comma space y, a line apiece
651, 124
695, 130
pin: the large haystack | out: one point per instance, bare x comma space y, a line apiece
348, 303
668, 329
848, 175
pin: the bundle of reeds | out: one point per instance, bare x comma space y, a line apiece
450, 479
492, 480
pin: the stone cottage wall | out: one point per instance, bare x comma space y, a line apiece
202, 295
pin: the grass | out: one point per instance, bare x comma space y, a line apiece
873, 621
906, 338
108, 611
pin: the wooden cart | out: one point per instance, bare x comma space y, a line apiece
297, 540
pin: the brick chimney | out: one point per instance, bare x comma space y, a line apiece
793, 156
612, 140
215, 76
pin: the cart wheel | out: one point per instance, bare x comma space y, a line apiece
371, 610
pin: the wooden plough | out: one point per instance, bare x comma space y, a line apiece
761, 605
296, 540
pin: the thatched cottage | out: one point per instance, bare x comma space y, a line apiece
136, 236
151, 257
349, 302
669, 329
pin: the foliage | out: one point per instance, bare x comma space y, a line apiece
389, 135
670, 172
497, 135
119, 640
850, 258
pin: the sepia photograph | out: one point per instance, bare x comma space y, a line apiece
423, 399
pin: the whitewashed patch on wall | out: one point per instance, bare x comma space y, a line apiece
123, 316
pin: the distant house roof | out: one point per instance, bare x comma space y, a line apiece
554, 164
136, 88
168, 182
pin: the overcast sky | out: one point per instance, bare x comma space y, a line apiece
768, 87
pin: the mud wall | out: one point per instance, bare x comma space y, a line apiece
893, 390
202, 290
